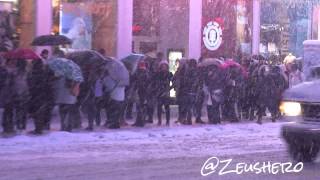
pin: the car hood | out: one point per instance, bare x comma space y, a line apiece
304, 92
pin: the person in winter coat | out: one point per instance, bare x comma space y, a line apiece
22, 94
231, 91
188, 91
295, 75
163, 79
177, 84
200, 96
152, 66
251, 90
115, 102
7, 99
281, 85
214, 85
66, 101
99, 96
41, 95
141, 79
87, 100
268, 95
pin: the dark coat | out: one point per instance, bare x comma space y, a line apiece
7, 92
190, 82
267, 92
162, 83
40, 83
141, 81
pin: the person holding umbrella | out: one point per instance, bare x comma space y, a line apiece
66, 88
22, 93
44, 54
41, 95
115, 102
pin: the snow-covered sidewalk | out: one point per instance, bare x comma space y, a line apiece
147, 143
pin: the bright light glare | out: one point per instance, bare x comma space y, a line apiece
290, 108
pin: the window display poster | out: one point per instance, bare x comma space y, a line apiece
76, 24
219, 28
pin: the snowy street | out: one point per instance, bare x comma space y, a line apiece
176, 152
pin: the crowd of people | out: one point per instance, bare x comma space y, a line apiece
229, 90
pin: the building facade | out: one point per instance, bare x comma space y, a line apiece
188, 28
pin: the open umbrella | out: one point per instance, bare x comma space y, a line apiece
66, 68
131, 62
230, 63
85, 57
117, 71
51, 40
21, 54
210, 61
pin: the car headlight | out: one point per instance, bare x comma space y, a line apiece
291, 108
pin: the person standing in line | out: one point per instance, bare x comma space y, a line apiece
22, 94
163, 79
7, 98
115, 97
141, 77
87, 100
41, 95
99, 98
188, 91
214, 83
44, 54
200, 94
177, 82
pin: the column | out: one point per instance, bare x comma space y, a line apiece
43, 19
124, 28
256, 27
27, 23
195, 24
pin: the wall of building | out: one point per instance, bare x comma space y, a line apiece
174, 25
105, 29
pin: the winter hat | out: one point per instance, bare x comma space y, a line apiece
289, 59
163, 63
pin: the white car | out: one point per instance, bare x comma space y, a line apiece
301, 104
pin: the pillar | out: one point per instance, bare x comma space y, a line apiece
195, 24
124, 27
256, 27
43, 19
27, 23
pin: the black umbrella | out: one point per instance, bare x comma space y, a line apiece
91, 62
87, 57
51, 40
131, 62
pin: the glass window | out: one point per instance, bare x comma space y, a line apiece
284, 26
91, 24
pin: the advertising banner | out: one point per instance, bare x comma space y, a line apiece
76, 24
219, 28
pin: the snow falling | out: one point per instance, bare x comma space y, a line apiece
159, 89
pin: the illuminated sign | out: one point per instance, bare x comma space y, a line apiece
212, 36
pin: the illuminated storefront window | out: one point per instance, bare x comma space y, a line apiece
89, 23
285, 25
